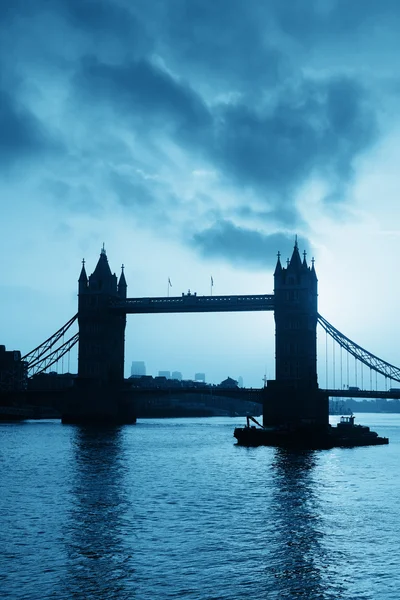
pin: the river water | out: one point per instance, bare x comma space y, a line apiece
173, 508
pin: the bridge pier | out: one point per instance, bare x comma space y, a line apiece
294, 406
89, 403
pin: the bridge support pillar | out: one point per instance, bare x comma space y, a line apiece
89, 403
292, 406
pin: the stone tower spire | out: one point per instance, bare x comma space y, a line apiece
83, 280
122, 287
102, 280
278, 268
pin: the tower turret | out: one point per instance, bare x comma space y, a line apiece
294, 265
313, 273
278, 268
122, 287
83, 280
102, 280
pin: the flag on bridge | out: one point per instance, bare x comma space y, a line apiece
169, 282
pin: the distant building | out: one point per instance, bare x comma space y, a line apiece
176, 375
51, 381
13, 370
228, 383
138, 368
200, 377
240, 381
142, 381
166, 374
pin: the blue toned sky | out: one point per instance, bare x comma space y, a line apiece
196, 139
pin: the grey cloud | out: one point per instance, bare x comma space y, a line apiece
10, 9
103, 16
315, 21
78, 198
130, 193
22, 134
232, 92
226, 43
113, 27
280, 214
351, 125
244, 247
146, 202
148, 95
318, 128
98, 15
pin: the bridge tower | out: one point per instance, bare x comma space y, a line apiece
294, 397
101, 347
101, 332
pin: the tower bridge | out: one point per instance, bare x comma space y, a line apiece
292, 397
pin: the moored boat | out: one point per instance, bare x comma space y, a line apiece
346, 434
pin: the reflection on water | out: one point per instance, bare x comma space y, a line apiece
99, 566
173, 509
300, 565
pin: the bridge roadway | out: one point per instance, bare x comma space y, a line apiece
248, 394
390, 395
190, 303
257, 394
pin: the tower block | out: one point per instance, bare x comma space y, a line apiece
98, 396
293, 398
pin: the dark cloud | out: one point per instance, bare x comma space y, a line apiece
98, 15
288, 216
242, 247
319, 127
226, 44
106, 17
147, 95
316, 22
10, 9
77, 199
351, 125
132, 194
225, 86
22, 134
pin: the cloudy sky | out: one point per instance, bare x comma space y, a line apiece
196, 138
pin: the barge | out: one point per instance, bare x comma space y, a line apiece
345, 435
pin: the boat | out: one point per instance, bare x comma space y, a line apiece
346, 435
349, 434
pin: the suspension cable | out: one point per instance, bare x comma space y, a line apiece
42, 349
40, 365
359, 353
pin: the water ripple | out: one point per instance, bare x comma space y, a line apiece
173, 509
